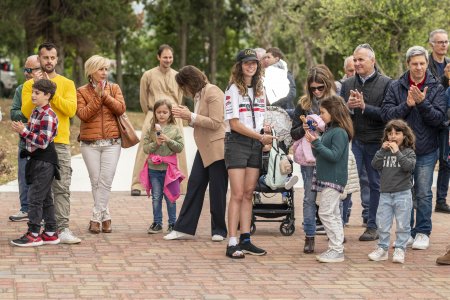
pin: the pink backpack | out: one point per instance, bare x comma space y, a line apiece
302, 148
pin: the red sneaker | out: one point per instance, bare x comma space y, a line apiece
28, 240
50, 240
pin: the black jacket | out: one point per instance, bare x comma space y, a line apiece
432, 66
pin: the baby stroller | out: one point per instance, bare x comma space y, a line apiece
275, 212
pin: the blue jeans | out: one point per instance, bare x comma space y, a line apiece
157, 181
423, 179
444, 168
397, 204
309, 202
23, 186
364, 154
346, 206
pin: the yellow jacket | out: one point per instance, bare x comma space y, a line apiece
63, 103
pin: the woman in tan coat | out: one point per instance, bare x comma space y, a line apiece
98, 104
209, 165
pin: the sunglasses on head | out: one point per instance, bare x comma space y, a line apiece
319, 88
30, 70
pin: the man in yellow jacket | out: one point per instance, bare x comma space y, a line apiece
64, 104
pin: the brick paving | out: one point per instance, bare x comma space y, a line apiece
131, 264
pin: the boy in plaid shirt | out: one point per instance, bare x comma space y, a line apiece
42, 166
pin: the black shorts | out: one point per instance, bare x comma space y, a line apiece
241, 151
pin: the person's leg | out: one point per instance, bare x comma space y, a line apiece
402, 206
218, 185
193, 201
345, 207
61, 188
423, 179
23, 186
109, 158
385, 214
136, 186
443, 173
363, 179
331, 219
92, 160
309, 202
171, 211
374, 183
157, 182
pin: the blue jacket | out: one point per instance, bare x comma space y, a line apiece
425, 118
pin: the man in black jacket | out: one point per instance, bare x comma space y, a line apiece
439, 66
419, 99
364, 94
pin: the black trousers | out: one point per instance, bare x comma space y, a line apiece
40, 198
217, 177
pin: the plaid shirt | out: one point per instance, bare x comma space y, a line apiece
41, 129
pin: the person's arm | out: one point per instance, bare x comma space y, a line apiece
334, 153
113, 99
48, 125
16, 113
27, 104
377, 161
297, 131
393, 107
374, 112
176, 143
65, 98
407, 160
287, 102
87, 109
432, 109
148, 144
143, 92
214, 100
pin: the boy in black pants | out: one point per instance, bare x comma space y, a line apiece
42, 166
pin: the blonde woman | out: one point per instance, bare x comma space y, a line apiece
99, 102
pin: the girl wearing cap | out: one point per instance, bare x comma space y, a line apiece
245, 105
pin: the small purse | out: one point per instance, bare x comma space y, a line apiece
127, 133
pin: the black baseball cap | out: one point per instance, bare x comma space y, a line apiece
246, 55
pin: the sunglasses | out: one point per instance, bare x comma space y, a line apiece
319, 88
30, 70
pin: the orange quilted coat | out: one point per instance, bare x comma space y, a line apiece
98, 114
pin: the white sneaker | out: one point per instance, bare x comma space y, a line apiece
398, 256
291, 181
217, 238
421, 242
67, 237
176, 235
20, 216
378, 254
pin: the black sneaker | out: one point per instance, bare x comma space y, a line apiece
155, 228
249, 248
369, 235
28, 240
440, 207
170, 228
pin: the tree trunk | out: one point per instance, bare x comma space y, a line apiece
54, 35
118, 50
184, 32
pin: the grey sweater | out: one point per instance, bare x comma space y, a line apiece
396, 169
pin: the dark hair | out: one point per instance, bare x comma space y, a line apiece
190, 79
164, 47
46, 86
400, 125
339, 113
318, 74
47, 45
276, 52
159, 103
237, 77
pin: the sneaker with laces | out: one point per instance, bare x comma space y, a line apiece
290, 182
67, 237
378, 254
27, 240
421, 242
50, 239
330, 256
249, 248
155, 228
398, 256
170, 228
176, 235
18, 217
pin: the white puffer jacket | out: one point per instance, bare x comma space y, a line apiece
353, 178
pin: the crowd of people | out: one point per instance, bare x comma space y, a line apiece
380, 136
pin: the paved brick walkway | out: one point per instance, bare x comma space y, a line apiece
131, 264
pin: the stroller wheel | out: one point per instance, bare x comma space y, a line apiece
252, 228
287, 229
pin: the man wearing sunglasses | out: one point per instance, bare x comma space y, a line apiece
439, 66
364, 94
32, 70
